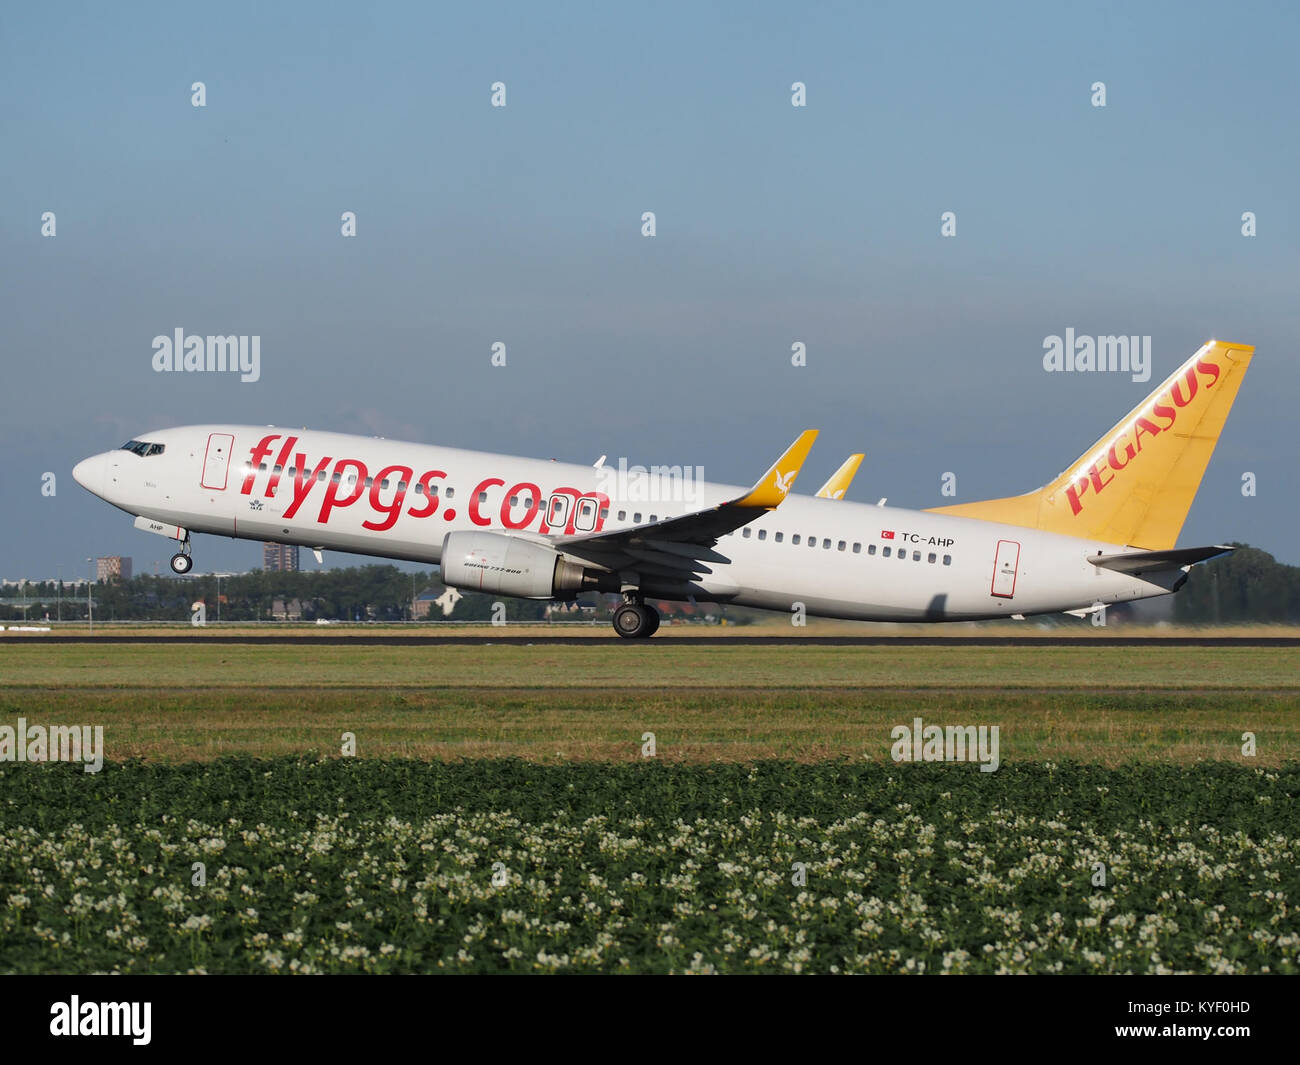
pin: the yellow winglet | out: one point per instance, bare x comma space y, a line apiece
841, 479
772, 488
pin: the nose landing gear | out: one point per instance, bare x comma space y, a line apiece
181, 561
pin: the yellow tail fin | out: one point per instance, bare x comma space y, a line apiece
1135, 485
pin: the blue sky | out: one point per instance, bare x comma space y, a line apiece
775, 224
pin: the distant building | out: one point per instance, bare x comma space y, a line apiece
282, 610
433, 601
113, 567
280, 558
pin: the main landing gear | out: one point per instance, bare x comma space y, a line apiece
181, 561
635, 620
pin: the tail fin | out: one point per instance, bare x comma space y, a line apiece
1136, 484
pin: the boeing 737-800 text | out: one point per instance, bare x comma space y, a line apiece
1103, 532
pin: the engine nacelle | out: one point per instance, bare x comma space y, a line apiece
500, 564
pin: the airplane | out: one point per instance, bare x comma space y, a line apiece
1104, 531
841, 479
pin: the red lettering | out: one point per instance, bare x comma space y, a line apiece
474, 500
280, 461
1113, 459
332, 499
430, 494
1097, 483
1177, 393
553, 511
394, 508
303, 482
1162, 410
1142, 425
255, 459
534, 501
1208, 367
1074, 492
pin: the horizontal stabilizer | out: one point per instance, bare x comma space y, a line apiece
1148, 561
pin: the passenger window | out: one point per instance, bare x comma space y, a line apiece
746, 534
916, 556
654, 517
320, 476
514, 501
604, 513
826, 543
401, 485
947, 560
871, 549
857, 549
794, 539
886, 552
812, 541
278, 468
779, 537
622, 515
261, 468
932, 557
636, 517
482, 497
370, 483
337, 478
762, 534
450, 491
842, 546
292, 471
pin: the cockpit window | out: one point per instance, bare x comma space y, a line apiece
143, 448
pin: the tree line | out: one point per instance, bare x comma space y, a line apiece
1247, 586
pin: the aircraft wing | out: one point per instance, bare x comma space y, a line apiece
841, 479
679, 547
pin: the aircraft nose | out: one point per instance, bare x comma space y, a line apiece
89, 473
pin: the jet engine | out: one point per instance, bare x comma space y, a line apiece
500, 564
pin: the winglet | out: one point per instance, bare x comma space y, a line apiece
841, 479
772, 488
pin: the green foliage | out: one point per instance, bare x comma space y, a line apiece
350, 865
1247, 585
358, 593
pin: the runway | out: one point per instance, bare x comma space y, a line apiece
312, 639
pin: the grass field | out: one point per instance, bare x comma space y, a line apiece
371, 866
499, 814
1107, 705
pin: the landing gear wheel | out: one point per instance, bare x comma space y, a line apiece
182, 563
653, 622
632, 621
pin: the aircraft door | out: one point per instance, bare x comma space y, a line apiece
1005, 566
216, 462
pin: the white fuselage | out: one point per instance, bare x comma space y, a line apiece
399, 500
